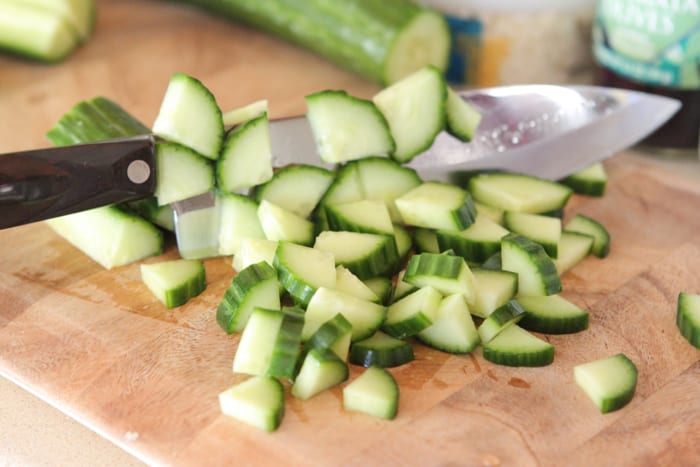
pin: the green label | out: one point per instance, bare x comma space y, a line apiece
652, 41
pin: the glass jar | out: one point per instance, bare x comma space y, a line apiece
654, 46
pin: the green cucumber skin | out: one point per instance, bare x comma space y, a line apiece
366, 353
587, 225
541, 359
551, 283
476, 251
288, 344
329, 332
548, 323
688, 318
338, 31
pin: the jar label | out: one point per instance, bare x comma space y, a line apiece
651, 41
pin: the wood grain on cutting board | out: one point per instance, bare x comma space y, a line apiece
96, 344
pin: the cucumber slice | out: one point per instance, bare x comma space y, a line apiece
573, 248
303, 270
688, 317
447, 274
347, 282
335, 335
296, 188
544, 230
453, 330
35, 32
174, 282
610, 382
254, 250
590, 226
381, 350
198, 232
499, 320
462, 119
514, 346
403, 241
253, 287
109, 235
182, 173
426, 241
374, 392
413, 313
493, 262
243, 114
518, 192
365, 255
476, 243
321, 370
270, 343
189, 115
246, 157
383, 179
494, 288
552, 314
345, 188
282, 225
366, 216
484, 210
364, 316
537, 274
238, 220
382, 288
257, 401
590, 181
346, 127
436, 205
402, 288
414, 107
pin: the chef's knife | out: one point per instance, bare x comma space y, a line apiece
543, 130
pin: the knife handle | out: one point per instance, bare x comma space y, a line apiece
45, 183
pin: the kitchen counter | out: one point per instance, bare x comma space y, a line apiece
137, 46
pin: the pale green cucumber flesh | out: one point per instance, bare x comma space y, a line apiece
517, 347
494, 288
545, 230
279, 225
590, 181
436, 205
303, 270
347, 282
413, 313
238, 221
476, 243
453, 329
537, 274
552, 314
320, 370
182, 173
334, 334
256, 346
296, 188
462, 119
246, 156
374, 392
365, 255
380, 350
499, 320
573, 248
518, 192
688, 317
174, 282
257, 401
587, 225
610, 382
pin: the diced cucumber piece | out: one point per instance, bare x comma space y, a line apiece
345, 188
321, 370
403, 241
494, 288
364, 316
296, 188
366, 216
303, 270
514, 346
374, 392
257, 401
402, 288
174, 282
246, 157
493, 262
476, 243
383, 179
347, 282
462, 119
590, 181
346, 127
484, 210
189, 115
436, 205
590, 226
610, 382
447, 274
254, 250
253, 287
334, 334
270, 343
518, 192
425, 240
243, 114
109, 235
688, 317
238, 220
182, 173
162, 216
382, 288
366, 255
282, 225
79, 15
544, 230
453, 329
381, 350
414, 107
537, 274
573, 248
552, 314
413, 313
198, 232
499, 320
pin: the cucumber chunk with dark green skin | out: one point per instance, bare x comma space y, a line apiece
610, 382
446, 273
381, 350
476, 243
518, 192
320, 370
517, 347
381, 41
573, 248
552, 314
545, 230
374, 392
308, 184
453, 329
436, 205
499, 320
688, 317
587, 225
303, 270
413, 313
537, 274
257, 401
334, 334
590, 181
174, 282
366, 255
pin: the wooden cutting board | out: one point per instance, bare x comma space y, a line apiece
97, 345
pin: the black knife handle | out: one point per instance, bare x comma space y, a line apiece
45, 183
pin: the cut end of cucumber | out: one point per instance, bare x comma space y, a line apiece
688, 317
374, 392
610, 382
258, 401
174, 282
